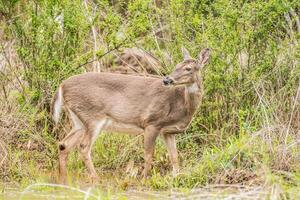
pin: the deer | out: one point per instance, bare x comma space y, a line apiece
130, 104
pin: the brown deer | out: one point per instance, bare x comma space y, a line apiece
129, 104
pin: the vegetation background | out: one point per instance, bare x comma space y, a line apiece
247, 130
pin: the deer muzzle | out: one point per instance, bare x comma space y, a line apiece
168, 81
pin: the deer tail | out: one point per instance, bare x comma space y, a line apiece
57, 104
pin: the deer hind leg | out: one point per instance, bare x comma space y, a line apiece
172, 151
85, 146
68, 144
150, 136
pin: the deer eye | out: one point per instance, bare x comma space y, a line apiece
188, 69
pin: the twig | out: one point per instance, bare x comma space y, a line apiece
3, 149
11, 68
4, 92
265, 112
87, 194
290, 25
294, 14
292, 114
98, 57
96, 65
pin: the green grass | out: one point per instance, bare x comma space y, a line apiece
248, 154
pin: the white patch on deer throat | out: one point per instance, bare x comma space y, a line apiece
193, 88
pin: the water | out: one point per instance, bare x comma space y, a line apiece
45, 191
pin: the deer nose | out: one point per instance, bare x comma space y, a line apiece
167, 81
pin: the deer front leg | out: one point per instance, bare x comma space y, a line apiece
150, 136
172, 151
85, 149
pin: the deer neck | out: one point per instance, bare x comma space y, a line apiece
193, 94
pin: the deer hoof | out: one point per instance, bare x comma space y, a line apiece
145, 174
63, 180
94, 179
175, 173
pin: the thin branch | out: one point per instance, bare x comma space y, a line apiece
97, 58
294, 14
11, 68
96, 65
292, 113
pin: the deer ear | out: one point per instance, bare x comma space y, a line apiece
203, 57
185, 53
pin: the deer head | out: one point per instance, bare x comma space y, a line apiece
186, 72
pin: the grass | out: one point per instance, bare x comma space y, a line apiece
248, 156
267, 159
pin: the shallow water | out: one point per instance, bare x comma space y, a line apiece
51, 191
